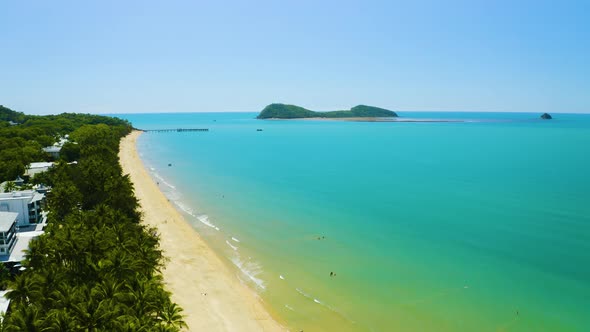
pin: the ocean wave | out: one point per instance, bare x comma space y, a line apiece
185, 208
281, 276
309, 296
289, 307
304, 294
235, 239
201, 217
329, 307
250, 270
162, 180
230, 245
205, 220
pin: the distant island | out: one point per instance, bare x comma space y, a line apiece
283, 111
546, 116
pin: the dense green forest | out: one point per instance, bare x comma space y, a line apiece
282, 111
21, 144
96, 268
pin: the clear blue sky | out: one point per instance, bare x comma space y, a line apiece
189, 56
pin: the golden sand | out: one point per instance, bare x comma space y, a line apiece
211, 295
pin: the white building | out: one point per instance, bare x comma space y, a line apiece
38, 167
53, 151
7, 232
27, 203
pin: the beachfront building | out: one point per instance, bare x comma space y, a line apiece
19, 181
53, 151
37, 167
27, 203
7, 232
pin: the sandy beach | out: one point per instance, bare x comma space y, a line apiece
212, 297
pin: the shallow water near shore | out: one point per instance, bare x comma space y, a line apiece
473, 226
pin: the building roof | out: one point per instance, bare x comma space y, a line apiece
40, 164
37, 197
52, 149
6, 220
38, 167
22, 244
18, 181
18, 194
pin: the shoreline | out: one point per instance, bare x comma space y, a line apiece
211, 295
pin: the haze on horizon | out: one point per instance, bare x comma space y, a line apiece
188, 56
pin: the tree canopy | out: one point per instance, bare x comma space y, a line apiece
283, 111
96, 267
21, 142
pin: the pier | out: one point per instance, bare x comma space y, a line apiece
178, 130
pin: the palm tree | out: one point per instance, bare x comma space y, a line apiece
63, 297
59, 320
24, 318
4, 277
143, 297
109, 289
171, 316
24, 288
9, 187
93, 314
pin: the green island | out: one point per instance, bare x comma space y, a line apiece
95, 267
284, 111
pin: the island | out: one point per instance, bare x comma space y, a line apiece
283, 111
546, 116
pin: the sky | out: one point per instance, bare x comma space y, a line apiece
215, 56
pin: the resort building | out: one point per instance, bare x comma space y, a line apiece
27, 203
53, 151
37, 167
7, 232
19, 181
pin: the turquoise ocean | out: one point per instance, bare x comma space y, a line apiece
482, 225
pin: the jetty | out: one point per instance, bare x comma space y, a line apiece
178, 130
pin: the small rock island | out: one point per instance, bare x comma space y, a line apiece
283, 111
546, 116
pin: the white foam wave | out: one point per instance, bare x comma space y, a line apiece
235, 239
324, 304
289, 307
308, 296
201, 217
185, 208
303, 293
281, 276
230, 245
205, 220
250, 270
157, 176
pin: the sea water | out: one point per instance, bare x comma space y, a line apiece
481, 225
